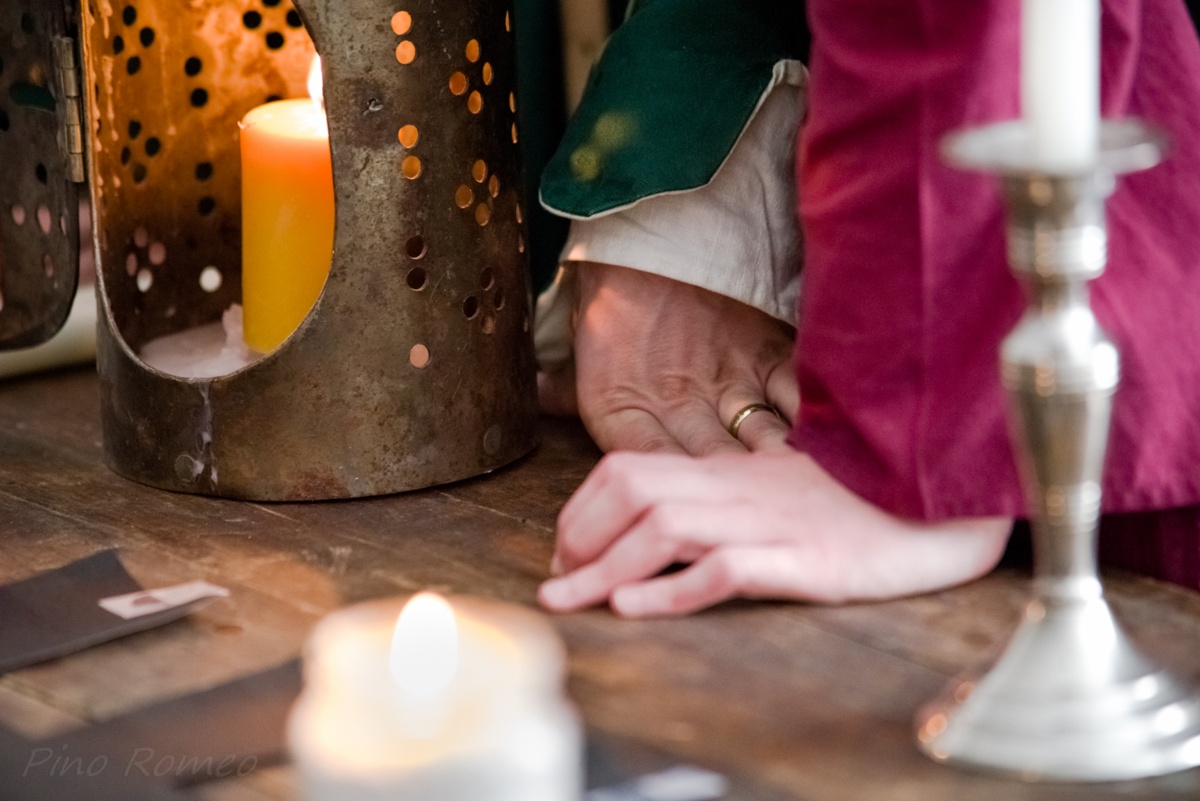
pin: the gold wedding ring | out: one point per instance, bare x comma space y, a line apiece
736, 423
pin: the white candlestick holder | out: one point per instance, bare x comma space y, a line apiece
1071, 698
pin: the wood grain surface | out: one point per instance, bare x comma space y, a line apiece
789, 701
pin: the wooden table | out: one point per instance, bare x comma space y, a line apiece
789, 701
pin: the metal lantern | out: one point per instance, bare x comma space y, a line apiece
415, 366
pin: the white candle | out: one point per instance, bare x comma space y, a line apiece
462, 705
1060, 81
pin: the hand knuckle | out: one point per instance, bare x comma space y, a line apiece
616, 469
662, 522
727, 572
673, 388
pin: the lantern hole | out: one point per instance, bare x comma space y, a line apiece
401, 23
415, 247
31, 95
157, 253
417, 278
44, 218
210, 279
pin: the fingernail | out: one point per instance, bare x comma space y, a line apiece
627, 602
556, 566
554, 594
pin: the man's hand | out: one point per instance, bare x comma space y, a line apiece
763, 525
664, 366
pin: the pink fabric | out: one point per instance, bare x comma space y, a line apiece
906, 293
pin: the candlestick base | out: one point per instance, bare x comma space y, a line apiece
1071, 698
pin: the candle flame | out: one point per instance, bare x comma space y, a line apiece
316, 86
424, 655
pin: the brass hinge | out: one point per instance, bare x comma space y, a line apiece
71, 135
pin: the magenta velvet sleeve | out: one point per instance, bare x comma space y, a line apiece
906, 294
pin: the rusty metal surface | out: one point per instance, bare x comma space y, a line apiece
340, 410
39, 221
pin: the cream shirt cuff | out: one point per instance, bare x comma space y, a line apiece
736, 236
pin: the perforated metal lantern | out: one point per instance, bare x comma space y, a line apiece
415, 366
39, 195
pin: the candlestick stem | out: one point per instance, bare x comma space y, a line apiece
1070, 698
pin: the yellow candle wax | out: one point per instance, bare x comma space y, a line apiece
287, 217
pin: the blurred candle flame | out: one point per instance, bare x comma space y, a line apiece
424, 654
316, 87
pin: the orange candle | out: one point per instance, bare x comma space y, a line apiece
287, 217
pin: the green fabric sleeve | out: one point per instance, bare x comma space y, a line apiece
675, 87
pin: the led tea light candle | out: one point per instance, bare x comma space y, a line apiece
1060, 81
435, 703
287, 214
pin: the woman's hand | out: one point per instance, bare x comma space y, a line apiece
663, 366
764, 525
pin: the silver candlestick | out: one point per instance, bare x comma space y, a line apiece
1071, 698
